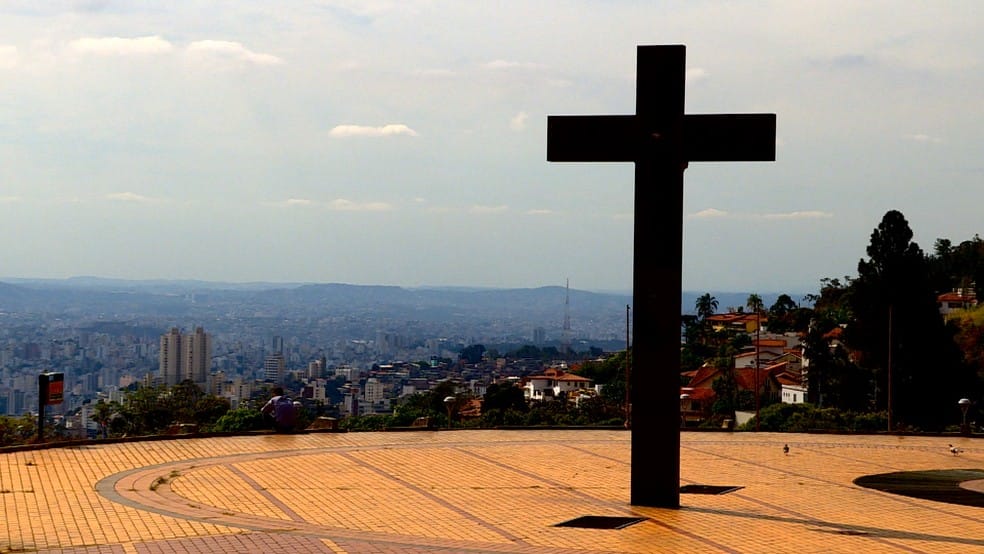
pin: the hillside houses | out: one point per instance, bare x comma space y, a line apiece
773, 361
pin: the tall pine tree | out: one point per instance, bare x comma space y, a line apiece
897, 327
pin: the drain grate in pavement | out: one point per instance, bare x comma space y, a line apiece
601, 522
708, 489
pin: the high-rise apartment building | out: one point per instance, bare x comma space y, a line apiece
274, 367
170, 357
197, 349
185, 357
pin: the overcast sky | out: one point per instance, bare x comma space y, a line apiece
404, 142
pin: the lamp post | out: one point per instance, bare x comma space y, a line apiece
449, 402
964, 404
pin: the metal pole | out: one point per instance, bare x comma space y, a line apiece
758, 326
628, 420
42, 394
889, 368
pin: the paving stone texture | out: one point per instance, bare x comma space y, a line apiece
475, 491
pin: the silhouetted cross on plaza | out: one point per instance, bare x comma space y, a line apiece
661, 140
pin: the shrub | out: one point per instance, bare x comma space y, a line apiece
239, 420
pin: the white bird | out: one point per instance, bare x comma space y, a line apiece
954, 450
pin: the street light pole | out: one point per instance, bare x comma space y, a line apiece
448, 402
964, 404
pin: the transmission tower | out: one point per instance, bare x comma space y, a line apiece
566, 338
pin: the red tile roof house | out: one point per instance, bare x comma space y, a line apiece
961, 299
554, 383
697, 398
738, 321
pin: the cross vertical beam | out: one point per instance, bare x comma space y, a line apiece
661, 141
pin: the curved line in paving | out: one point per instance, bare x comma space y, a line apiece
939, 485
148, 488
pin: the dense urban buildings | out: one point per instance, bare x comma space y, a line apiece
350, 357
185, 357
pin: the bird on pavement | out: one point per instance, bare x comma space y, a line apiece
785, 449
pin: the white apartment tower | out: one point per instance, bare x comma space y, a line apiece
170, 357
274, 368
185, 357
197, 349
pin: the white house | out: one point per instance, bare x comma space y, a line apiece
554, 383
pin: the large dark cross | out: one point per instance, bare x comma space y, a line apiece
661, 140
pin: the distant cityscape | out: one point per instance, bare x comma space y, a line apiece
354, 348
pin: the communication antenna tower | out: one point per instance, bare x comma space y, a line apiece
566, 339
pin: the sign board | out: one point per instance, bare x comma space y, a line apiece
52, 388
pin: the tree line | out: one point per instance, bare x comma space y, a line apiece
876, 342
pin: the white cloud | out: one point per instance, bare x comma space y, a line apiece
479, 209
804, 214
518, 121
695, 74
294, 202
228, 50
507, 64
918, 137
343, 205
367, 131
711, 212
808, 214
8, 56
132, 197
347, 65
540, 212
9, 199
436, 73
118, 46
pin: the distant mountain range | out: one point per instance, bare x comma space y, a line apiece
190, 297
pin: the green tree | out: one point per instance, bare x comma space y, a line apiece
472, 354
893, 298
239, 420
781, 314
102, 413
502, 397
754, 303
705, 306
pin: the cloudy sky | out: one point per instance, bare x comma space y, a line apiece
404, 142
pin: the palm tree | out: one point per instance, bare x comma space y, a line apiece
754, 303
706, 306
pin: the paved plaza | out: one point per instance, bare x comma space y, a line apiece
477, 491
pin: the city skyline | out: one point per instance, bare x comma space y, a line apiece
404, 143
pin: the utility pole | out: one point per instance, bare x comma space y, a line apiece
628, 420
889, 392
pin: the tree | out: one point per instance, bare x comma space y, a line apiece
503, 396
898, 331
102, 413
781, 314
706, 305
472, 354
754, 303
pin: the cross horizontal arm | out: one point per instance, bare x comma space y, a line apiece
746, 137
592, 138
623, 138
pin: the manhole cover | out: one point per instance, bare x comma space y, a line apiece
708, 489
601, 522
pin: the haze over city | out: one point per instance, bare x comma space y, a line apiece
404, 142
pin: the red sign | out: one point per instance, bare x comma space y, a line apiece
53, 388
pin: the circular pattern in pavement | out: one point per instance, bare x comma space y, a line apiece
940, 485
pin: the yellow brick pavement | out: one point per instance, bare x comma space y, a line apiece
475, 491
